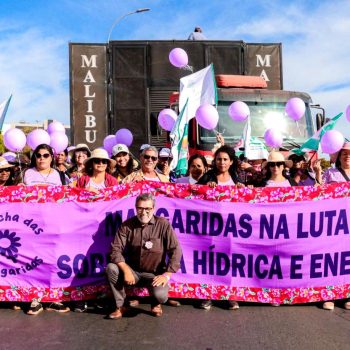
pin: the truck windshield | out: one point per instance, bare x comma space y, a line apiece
262, 117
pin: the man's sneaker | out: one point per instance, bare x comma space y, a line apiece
35, 308
206, 304
233, 305
58, 307
80, 306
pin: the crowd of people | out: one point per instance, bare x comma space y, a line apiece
96, 170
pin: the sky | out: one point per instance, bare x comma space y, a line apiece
34, 38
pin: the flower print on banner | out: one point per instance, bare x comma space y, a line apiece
12, 294
179, 290
77, 294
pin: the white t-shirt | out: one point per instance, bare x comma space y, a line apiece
157, 179
227, 183
33, 177
95, 185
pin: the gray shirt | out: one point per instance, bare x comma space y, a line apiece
197, 36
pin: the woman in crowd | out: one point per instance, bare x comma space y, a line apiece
41, 172
224, 171
275, 170
41, 169
97, 174
125, 163
61, 159
78, 156
341, 173
301, 174
149, 158
197, 166
6, 172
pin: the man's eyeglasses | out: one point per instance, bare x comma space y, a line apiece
141, 209
100, 160
5, 169
45, 155
146, 156
273, 164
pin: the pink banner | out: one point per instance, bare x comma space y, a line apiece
281, 245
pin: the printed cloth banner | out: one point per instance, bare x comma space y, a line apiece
283, 245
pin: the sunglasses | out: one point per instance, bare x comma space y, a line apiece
273, 164
146, 156
45, 155
5, 169
100, 160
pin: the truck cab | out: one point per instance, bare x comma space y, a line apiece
267, 109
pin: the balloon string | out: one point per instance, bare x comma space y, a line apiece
187, 67
19, 164
296, 122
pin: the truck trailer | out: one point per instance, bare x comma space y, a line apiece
125, 84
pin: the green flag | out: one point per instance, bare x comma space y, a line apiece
179, 135
313, 142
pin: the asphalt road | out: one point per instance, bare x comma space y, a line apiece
251, 327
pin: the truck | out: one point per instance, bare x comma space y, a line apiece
125, 84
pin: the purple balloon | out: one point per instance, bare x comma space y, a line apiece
108, 143
37, 137
59, 141
295, 108
332, 141
55, 127
14, 139
124, 136
348, 113
178, 57
238, 111
167, 118
273, 138
207, 116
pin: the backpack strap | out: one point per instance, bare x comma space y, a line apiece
345, 176
62, 177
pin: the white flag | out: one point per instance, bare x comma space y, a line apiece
3, 109
195, 90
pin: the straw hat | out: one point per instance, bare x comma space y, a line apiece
80, 147
100, 154
4, 163
277, 157
334, 157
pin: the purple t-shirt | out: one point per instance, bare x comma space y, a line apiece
332, 175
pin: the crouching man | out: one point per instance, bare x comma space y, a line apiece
145, 253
